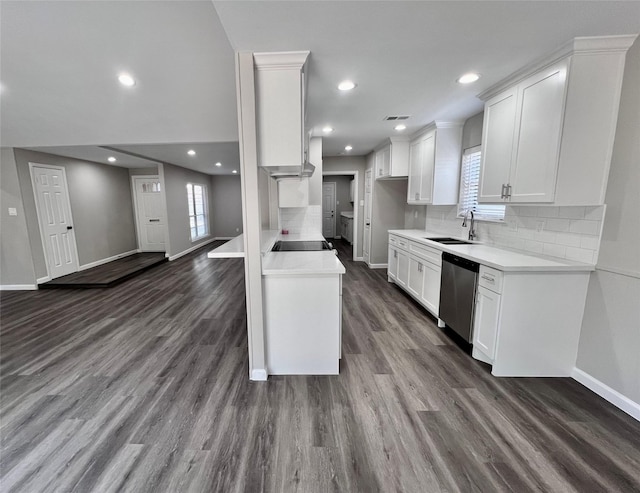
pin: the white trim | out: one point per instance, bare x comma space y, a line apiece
356, 207
259, 375
620, 272
107, 260
189, 250
18, 287
607, 393
217, 238
280, 60
43, 280
45, 252
378, 266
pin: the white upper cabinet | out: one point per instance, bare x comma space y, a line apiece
392, 159
548, 129
434, 165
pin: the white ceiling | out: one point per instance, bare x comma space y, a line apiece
59, 62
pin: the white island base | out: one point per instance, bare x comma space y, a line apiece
303, 323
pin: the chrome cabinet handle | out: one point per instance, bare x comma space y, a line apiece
503, 193
417, 196
487, 278
395, 254
508, 191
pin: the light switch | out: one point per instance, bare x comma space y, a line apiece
337, 202
13, 211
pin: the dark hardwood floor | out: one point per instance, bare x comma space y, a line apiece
108, 275
144, 387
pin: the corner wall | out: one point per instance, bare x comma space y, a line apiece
225, 202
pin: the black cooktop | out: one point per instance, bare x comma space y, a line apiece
300, 246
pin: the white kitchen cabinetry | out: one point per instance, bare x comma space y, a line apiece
416, 269
548, 129
346, 228
434, 165
392, 159
487, 313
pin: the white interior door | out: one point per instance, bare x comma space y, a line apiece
54, 216
329, 209
366, 247
150, 218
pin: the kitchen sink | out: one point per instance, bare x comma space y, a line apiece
449, 241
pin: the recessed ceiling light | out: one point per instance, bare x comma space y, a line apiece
234, 171
348, 148
218, 164
346, 85
400, 127
191, 152
327, 130
126, 80
468, 78
111, 159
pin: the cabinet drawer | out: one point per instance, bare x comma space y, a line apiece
393, 240
429, 254
490, 279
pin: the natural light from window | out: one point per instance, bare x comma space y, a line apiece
198, 221
469, 184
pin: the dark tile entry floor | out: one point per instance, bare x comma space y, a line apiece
109, 274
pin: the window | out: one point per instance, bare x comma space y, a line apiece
198, 220
469, 180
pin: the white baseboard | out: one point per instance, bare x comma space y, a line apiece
358, 259
259, 374
42, 280
607, 393
218, 238
378, 266
107, 260
18, 287
189, 250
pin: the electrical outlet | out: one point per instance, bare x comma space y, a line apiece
337, 202
237, 230
13, 211
539, 225
415, 214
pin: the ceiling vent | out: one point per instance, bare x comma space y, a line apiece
396, 118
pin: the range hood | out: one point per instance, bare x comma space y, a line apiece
303, 171
280, 88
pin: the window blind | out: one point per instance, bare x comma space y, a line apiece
469, 184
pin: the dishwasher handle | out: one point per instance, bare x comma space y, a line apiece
461, 262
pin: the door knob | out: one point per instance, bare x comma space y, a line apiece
69, 227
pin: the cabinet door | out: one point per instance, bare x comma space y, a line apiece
497, 145
414, 283
428, 156
392, 263
403, 268
487, 317
386, 161
430, 296
415, 171
540, 111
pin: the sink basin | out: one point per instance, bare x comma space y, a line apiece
450, 241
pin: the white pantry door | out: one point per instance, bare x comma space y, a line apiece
149, 213
366, 248
54, 216
329, 209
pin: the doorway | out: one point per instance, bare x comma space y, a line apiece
149, 213
329, 209
347, 204
53, 209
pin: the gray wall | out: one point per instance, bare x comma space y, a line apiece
101, 207
351, 163
175, 180
610, 340
226, 206
16, 266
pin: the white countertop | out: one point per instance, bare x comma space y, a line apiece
234, 248
347, 214
496, 257
298, 263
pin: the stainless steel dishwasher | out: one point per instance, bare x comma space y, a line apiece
458, 284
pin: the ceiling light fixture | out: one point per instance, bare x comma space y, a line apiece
327, 130
111, 159
218, 164
126, 80
468, 78
191, 152
348, 148
346, 85
400, 127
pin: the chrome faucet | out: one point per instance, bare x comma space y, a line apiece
472, 229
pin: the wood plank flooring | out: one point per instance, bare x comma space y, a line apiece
108, 275
145, 387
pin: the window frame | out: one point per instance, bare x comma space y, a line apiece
481, 212
205, 210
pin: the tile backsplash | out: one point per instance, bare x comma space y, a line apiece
572, 233
301, 220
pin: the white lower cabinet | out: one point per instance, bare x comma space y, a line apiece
392, 265
485, 327
403, 269
414, 283
430, 293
